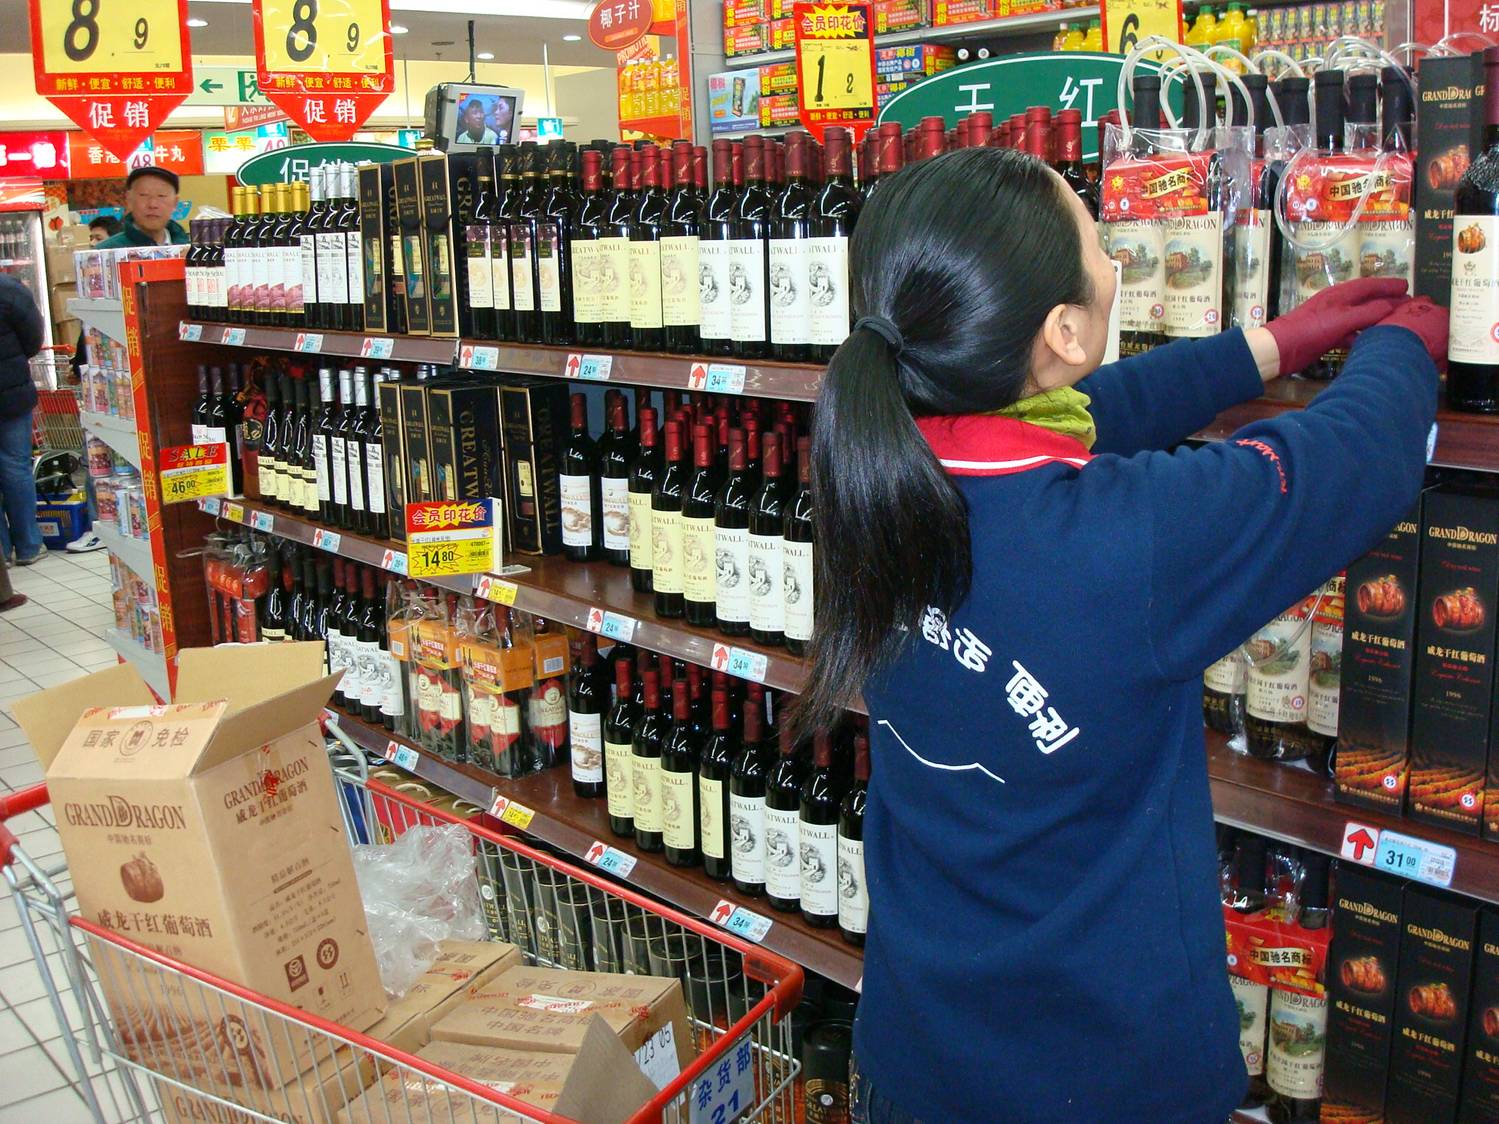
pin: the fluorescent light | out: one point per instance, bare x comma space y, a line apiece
196, 22
571, 38
486, 56
397, 29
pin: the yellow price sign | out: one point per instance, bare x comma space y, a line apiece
835, 64
193, 472
835, 75
108, 37
1127, 22
323, 36
450, 557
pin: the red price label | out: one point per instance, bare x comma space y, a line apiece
327, 64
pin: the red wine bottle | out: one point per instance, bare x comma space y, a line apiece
679, 763
749, 277
699, 548
747, 806
586, 704
616, 451
582, 507
666, 527
766, 550
832, 223
731, 540
714, 768
715, 323
590, 276
646, 744
791, 226
853, 894
645, 252
644, 472
619, 766
1069, 155
783, 798
797, 557
818, 852
680, 291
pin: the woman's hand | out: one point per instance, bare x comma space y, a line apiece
1427, 320
1328, 320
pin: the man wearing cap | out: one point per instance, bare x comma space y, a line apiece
150, 198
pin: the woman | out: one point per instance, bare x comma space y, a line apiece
20, 339
1027, 590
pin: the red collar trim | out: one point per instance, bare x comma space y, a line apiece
994, 445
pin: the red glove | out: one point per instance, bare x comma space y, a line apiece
1427, 320
1332, 317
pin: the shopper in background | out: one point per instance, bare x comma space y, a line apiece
1026, 586
150, 199
20, 339
101, 227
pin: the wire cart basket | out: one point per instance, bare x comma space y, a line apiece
152, 1039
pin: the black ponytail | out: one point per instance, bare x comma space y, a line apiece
964, 255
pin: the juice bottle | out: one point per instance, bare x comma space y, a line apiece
1059, 38
1230, 32
1251, 31
1093, 41
626, 93
1073, 41
1200, 34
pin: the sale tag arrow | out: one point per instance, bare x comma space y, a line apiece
1359, 842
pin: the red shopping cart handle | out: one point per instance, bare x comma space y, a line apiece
27, 800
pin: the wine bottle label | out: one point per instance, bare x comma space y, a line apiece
819, 868
1388, 249
1251, 999
416, 275
1276, 686
441, 258
766, 583
747, 837
1194, 275
577, 510
587, 732
1326, 664
1298, 1035
1334, 261
616, 499
710, 816
354, 256
796, 562
198, 432
356, 473
645, 285
320, 468
783, 877
1227, 675
260, 268
277, 480
646, 775
642, 535
678, 816
614, 280
827, 289
273, 635
587, 284
1475, 289
549, 266
680, 290
232, 280
374, 489
747, 290
265, 472
291, 258
310, 279
1139, 248
619, 761
332, 269
698, 550
505, 722
714, 319
364, 660
547, 707
853, 895
194, 287
338, 468
450, 705
666, 551
480, 274
731, 577
1252, 269
522, 284
790, 310
392, 696
499, 271
337, 657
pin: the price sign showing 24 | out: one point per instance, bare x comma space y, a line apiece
324, 36
100, 36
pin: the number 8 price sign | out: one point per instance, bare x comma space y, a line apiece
326, 63
835, 66
116, 68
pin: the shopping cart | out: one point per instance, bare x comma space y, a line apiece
153, 1039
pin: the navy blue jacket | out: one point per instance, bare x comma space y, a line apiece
20, 339
1046, 941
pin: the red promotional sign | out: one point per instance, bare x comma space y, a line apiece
835, 66
34, 155
615, 25
327, 64
177, 150
115, 70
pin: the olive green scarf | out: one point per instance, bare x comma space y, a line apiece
1064, 411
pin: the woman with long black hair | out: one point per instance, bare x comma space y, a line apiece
1026, 583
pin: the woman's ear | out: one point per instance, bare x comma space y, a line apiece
1059, 348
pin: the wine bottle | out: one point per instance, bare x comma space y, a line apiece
766, 550
715, 332
202, 406
507, 168
818, 827
1258, 245
645, 252
340, 425
699, 549
340, 649
747, 779
644, 473
797, 557
477, 250
1251, 999
309, 506
356, 438
619, 764
731, 540
586, 704
291, 257
1324, 675
1069, 157
714, 768
833, 215
301, 477
1472, 350
263, 222
274, 618
582, 509
783, 795
546, 710
1223, 694
374, 459
681, 306
614, 485
1337, 254
585, 252
1277, 683
679, 766
332, 255
353, 249
1293, 1070
313, 309
749, 276
526, 211
278, 252
853, 893
790, 227
270, 438
554, 277
359, 642
666, 527
1140, 245
614, 249
645, 765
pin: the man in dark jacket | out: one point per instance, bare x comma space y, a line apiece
20, 339
150, 199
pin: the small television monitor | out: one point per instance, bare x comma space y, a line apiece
461, 116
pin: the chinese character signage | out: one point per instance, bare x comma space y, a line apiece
116, 70
835, 66
34, 156
190, 472
326, 63
446, 538
178, 150
1126, 22
616, 25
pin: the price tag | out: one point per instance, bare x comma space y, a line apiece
327, 540
725, 378
376, 347
192, 333
738, 661
234, 337
262, 520
394, 561
616, 626
1415, 858
509, 811
494, 589
479, 358
834, 64
726, 1091
88, 37
334, 36
234, 512
740, 921
402, 756
610, 859
444, 538
595, 368
209, 504
309, 341
190, 472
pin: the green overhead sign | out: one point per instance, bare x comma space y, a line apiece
287, 164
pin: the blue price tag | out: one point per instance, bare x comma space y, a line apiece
262, 520
740, 921
404, 757
618, 627
725, 378
747, 665
234, 337
209, 504
596, 368
726, 1091
1415, 858
484, 359
327, 540
394, 561
192, 333
610, 859
376, 347
309, 341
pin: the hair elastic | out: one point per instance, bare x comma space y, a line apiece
884, 328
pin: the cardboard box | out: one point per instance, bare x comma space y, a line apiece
782, 34
747, 40
461, 424
59, 297
534, 424
778, 109
1431, 1010
898, 15
209, 830
745, 13
1480, 1099
1449, 121
948, 12
733, 101
1458, 599
1361, 967
418, 485
372, 237
61, 268
413, 245
1379, 655
393, 455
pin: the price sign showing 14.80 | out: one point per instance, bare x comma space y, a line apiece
448, 538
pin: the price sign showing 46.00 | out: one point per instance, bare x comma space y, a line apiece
191, 472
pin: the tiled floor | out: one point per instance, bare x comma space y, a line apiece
54, 637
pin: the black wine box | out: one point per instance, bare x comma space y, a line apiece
413, 245
1449, 121
1457, 600
1379, 655
461, 425
395, 271
1361, 975
393, 450
415, 445
1480, 1100
534, 423
462, 186
1433, 982
447, 181
372, 243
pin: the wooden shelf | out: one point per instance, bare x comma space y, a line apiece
315, 343
573, 824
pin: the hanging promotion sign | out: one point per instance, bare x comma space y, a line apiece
835, 66
327, 63
617, 25
116, 70
1126, 22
